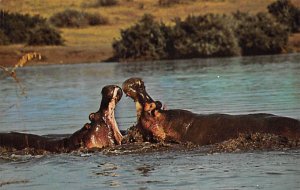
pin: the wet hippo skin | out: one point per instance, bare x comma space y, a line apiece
178, 125
102, 131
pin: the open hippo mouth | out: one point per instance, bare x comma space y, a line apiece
101, 132
135, 89
103, 129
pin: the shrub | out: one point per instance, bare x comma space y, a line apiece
167, 3
209, 35
99, 3
107, 2
76, 19
44, 35
260, 34
145, 40
17, 26
68, 18
3, 38
286, 13
96, 19
203, 36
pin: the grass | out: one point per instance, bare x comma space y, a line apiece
126, 13
11, 72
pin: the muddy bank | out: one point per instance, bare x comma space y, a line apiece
9, 55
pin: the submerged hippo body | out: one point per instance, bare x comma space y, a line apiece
185, 126
101, 132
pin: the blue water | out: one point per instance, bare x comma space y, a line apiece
59, 99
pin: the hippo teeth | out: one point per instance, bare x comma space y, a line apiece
111, 121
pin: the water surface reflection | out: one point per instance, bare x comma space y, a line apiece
60, 97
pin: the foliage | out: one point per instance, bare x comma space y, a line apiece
17, 26
286, 13
11, 72
96, 19
260, 34
145, 40
107, 2
167, 3
100, 3
209, 35
202, 36
76, 19
3, 38
44, 35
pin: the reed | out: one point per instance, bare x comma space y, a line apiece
11, 72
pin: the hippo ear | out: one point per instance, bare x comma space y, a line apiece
87, 126
92, 117
158, 104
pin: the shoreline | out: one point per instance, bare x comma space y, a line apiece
9, 55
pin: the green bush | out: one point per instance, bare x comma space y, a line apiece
202, 36
17, 26
101, 3
286, 13
76, 19
44, 35
96, 19
168, 3
260, 34
209, 35
107, 2
145, 40
3, 38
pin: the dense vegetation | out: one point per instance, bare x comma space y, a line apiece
44, 35
168, 3
3, 38
99, 3
145, 40
18, 28
209, 35
260, 34
286, 13
76, 19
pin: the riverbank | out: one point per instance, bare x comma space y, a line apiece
93, 44
9, 55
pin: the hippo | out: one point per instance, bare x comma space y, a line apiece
182, 126
102, 131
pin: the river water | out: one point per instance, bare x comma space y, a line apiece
59, 99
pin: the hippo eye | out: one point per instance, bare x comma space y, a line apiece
142, 86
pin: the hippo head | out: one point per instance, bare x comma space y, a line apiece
149, 112
135, 89
103, 130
